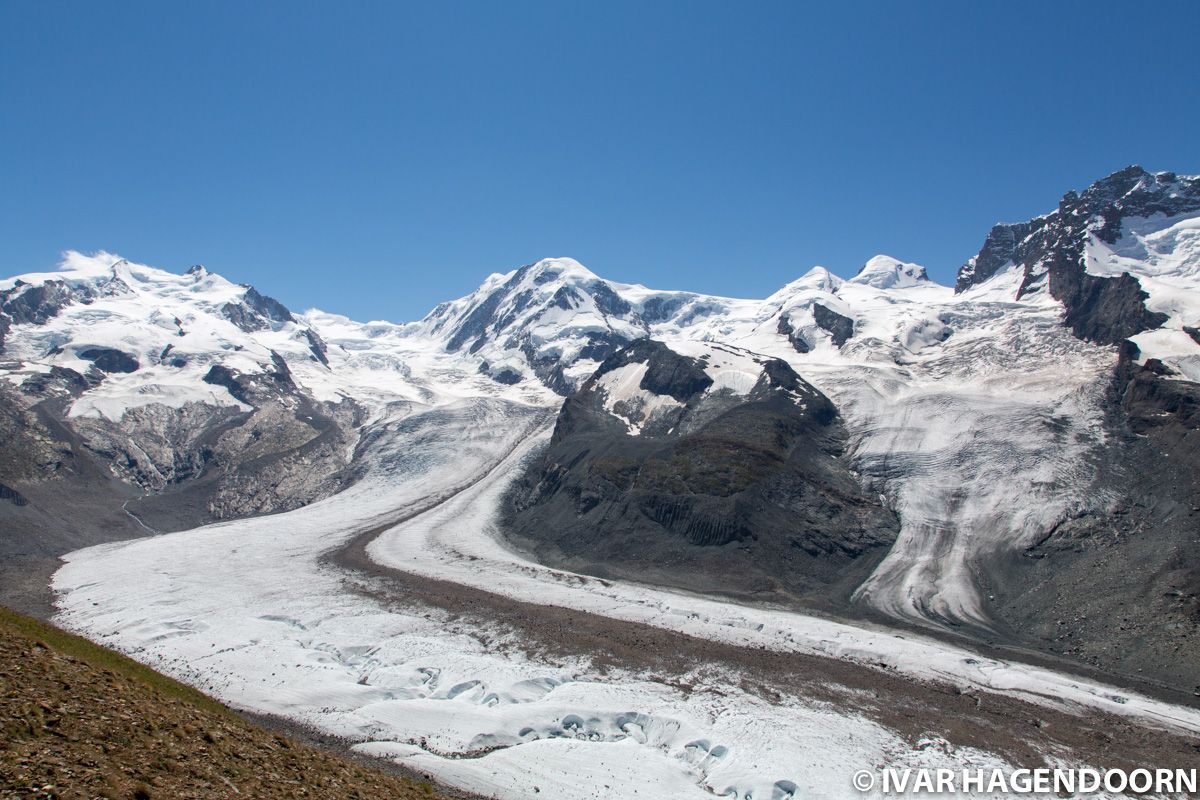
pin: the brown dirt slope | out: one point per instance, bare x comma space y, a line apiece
79, 721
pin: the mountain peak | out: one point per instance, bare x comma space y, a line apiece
885, 272
1100, 210
549, 269
817, 278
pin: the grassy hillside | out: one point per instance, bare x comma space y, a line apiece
80, 721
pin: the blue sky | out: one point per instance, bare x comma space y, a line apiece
376, 158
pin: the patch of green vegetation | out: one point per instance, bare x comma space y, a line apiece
68, 644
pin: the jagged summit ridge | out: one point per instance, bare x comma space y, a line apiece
557, 320
1121, 257
1099, 210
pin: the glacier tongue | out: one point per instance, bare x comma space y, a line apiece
449, 697
980, 453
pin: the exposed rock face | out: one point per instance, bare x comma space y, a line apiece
317, 346
256, 312
1105, 310
107, 359
667, 372
34, 304
840, 328
737, 493
12, 496
793, 336
73, 479
1118, 586
1004, 246
254, 388
267, 307
1050, 251
207, 462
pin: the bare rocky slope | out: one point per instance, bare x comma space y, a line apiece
737, 494
83, 722
1118, 586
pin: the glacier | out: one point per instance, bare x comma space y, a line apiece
976, 415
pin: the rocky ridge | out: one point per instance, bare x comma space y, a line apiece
705, 467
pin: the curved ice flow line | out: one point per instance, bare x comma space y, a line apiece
968, 474
457, 541
981, 443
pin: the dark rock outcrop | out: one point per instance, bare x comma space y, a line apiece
1004, 246
601, 345
107, 359
12, 496
840, 328
1103, 310
317, 346
1117, 585
256, 388
1050, 251
797, 341
667, 372
256, 312
608, 301
267, 307
476, 324
504, 376
27, 304
63, 380
739, 495
244, 318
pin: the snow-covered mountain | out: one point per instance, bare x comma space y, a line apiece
1001, 421
556, 321
1013, 459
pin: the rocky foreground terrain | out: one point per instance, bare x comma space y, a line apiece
83, 722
